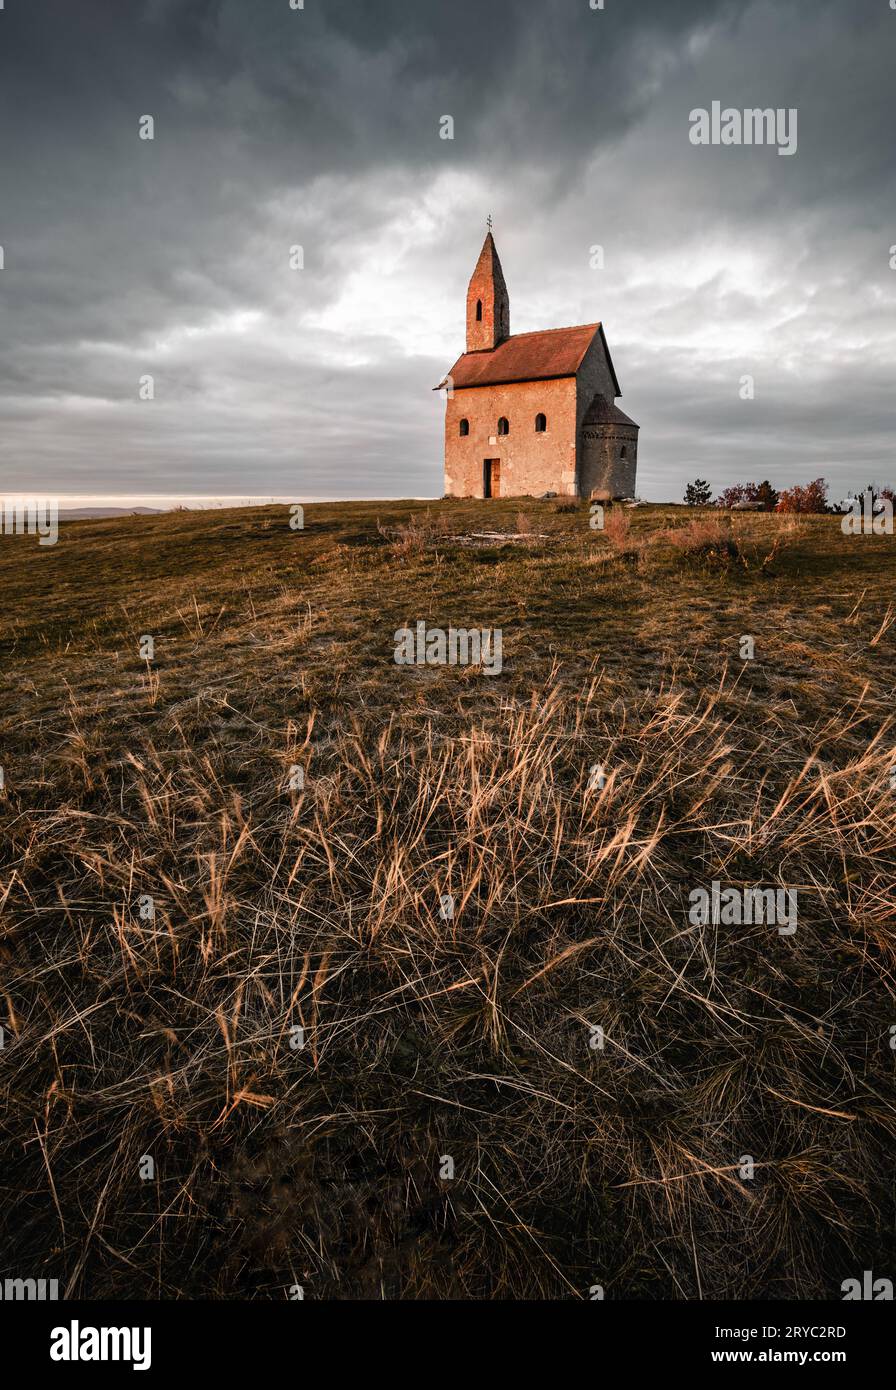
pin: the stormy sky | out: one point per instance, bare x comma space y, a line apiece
320, 127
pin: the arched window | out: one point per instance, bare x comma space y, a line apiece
624, 454
541, 424
478, 310
464, 428
503, 425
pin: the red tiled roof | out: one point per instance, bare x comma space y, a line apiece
528, 357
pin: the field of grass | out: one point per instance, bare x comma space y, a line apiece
170, 1032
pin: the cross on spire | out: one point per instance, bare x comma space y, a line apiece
488, 221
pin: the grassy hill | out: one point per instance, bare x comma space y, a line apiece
170, 1030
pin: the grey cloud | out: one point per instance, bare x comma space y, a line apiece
320, 127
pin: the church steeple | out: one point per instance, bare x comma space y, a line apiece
488, 303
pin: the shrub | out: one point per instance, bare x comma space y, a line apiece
738, 492
878, 495
698, 493
759, 494
813, 498
767, 495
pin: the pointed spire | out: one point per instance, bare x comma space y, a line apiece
488, 303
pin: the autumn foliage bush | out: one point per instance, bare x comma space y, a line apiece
812, 498
760, 494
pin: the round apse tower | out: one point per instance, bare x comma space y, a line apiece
609, 452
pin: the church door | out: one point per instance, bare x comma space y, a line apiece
491, 478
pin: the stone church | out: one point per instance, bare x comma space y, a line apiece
532, 413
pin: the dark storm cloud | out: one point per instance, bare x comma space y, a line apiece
320, 127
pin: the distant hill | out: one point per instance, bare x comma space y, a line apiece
94, 513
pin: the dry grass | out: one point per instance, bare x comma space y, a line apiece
411, 538
709, 538
279, 907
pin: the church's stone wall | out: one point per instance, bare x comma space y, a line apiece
600, 466
595, 377
603, 472
531, 463
583, 451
